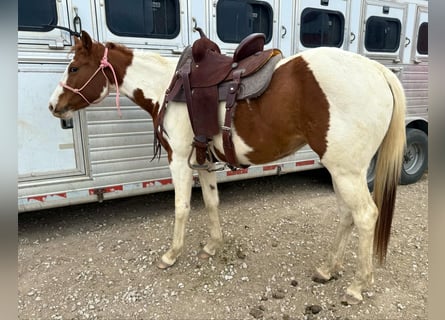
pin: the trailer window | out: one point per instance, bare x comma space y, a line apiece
35, 15
382, 34
237, 19
422, 40
321, 28
143, 18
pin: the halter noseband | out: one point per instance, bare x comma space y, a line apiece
103, 64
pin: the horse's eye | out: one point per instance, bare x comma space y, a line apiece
74, 69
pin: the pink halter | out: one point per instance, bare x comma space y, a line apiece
103, 64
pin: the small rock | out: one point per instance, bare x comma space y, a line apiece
400, 306
319, 280
313, 309
256, 312
240, 254
278, 294
294, 283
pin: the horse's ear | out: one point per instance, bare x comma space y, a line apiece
86, 41
77, 41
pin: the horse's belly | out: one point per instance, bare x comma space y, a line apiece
265, 150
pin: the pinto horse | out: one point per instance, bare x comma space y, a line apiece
345, 106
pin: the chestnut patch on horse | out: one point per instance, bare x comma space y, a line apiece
302, 116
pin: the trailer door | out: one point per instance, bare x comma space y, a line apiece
321, 24
44, 150
155, 25
233, 20
384, 30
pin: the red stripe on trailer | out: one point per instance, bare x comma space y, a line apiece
236, 172
152, 183
166, 181
270, 167
38, 198
63, 194
106, 189
42, 198
304, 163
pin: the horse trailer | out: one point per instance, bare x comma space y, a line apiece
99, 154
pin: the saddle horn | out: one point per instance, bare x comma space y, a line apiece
201, 46
201, 33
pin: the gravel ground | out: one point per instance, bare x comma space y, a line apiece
98, 261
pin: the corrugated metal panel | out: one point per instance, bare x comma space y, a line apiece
120, 146
415, 82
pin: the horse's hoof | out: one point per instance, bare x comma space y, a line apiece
164, 265
202, 254
349, 299
321, 277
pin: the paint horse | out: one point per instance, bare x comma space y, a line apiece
343, 105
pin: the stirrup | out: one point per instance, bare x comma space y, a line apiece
197, 166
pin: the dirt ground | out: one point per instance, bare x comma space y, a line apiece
98, 261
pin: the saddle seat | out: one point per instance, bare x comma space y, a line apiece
210, 67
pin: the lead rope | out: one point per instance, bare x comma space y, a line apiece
103, 64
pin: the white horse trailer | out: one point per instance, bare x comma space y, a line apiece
98, 155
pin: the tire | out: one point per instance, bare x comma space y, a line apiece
415, 158
370, 174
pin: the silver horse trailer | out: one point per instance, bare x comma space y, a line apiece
98, 155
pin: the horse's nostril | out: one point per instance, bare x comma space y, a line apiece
51, 108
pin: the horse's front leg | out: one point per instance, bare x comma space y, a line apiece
211, 199
182, 180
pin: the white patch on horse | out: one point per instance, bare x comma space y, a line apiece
54, 99
148, 72
360, 95
285, 60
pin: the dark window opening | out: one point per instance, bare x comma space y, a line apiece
422, 40
237, 19
382, 34
143, 18
34, 15
321, 28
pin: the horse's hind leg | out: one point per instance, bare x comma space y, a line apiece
358, 208
345, 226
210, 194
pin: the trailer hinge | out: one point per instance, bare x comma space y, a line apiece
100, 194
56, 44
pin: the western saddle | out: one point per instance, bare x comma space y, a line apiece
204, 77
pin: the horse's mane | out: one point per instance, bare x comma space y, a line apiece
109, 45
116, 46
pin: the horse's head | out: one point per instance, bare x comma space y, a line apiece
82, 83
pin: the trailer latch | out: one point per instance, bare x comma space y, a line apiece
66, 123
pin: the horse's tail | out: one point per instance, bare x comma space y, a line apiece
388, 167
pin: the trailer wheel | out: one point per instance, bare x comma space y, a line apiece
415, 158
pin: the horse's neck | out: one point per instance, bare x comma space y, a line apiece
149, 73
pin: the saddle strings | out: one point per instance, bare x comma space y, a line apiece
103, 64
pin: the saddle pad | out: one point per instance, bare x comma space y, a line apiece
255, 84
250, 87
